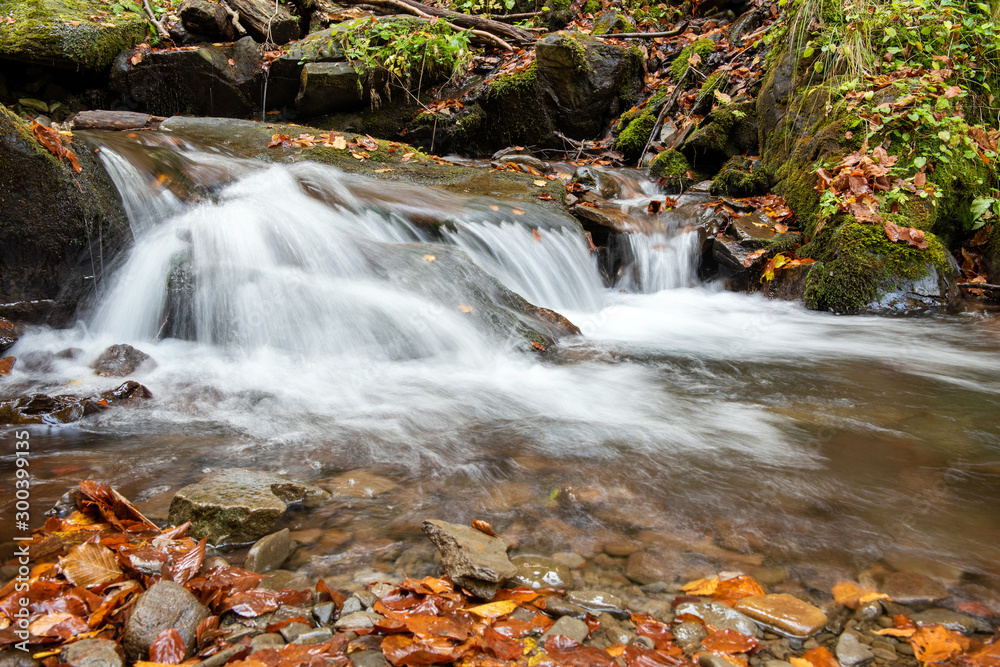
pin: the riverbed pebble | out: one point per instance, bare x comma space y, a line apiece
784, 613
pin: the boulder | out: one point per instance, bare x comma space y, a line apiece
207, 19
328, 88
92, 653
586, 82
70, 34
9, 333
55, 222
165, 605
238, 506
210, 80
473, 559
42, 409
120, 360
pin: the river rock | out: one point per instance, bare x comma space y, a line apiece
537, 572
11, 657
55, 222
559, 607
9, 333
329, 88
60, 34
649, 567
912, 589
165, 605
119, 361
195, 81
598, 181
951, 620
358, 484
471, 558
586, 82
715, 660
238, 506
850, 651
689, 634
567, 626
720, 616
598, 602
360, 620
269, 552
92, 653
785, 614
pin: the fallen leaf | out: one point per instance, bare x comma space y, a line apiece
517, 211
494, 609
731, 591
536, 235
817, 657
911, 235
936, 643
282, 140
368, 143
780, 227
430, 258
465, 309
478, 524
537, 345
167, 648
729, 641
540, 183
90, 565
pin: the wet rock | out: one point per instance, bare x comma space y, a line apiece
648, 567
329, 88
12, 657
317, 636
715, 660
164, 605
689, 634
559, 607
266, 640
269, 552
119, 361
323, 612
207, 19
911, 589
785, 614
358, 484
7, 365
951, 620
568, 626
598, 602
524, 162
741, 177
54, 220
720, 616
278, 579
199, 81
92, 653
598, 181
850, 651
369, 659
238, 506
54, 33
472, 559
361, 620
573, 561
9, 333
293, 630
586, 82
537, 572
612, 21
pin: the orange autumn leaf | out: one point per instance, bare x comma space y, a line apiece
817, 657
494, 609
733, 590
729, 641
701, 586
479, 524
936, 643
851, 594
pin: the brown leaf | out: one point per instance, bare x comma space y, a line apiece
185, 567
478, 524
735, 589
568, 653
536, 235
167, 648
52, 140
251, 603
911, 235
819, 657
90, 565
282, 140
7, 364
501, 645
368, 143
403, 650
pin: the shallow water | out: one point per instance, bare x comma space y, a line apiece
729, 430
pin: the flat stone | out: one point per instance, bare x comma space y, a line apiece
912, 589
850, 651
267, 640
269, 552
317, 636
558, 607
949, 619
165, 605
649, 567
784, 614
473, 559
571, 627
361, 620
92, 653
368, 659
352, 605
715, 660
292, 631
278, 579
537, 572
719, 615
236, 506
598, 601
221, 658
324, 611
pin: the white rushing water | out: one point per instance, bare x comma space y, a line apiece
288, 311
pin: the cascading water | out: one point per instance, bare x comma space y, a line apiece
310, 321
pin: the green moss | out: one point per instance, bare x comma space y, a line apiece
513, 106
41, 32
669, 164
710, 85
702, 47
740, 177
578, 50
861, 265
706, 148
992, 254
633, 138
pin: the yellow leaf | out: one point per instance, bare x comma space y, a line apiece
494, 609
796, 662
465, 309
701, 586
722, 97
430, 258
896, 632
494, 207
90, 565
540, 183
517, 211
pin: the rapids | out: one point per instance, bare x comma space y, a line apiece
730, 423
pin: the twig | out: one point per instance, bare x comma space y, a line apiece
517, 17
161, 31
666, 107
490, 37
234, 16
986, 286
641, 35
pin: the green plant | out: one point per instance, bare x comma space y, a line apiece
486, 7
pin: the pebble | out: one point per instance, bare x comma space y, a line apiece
689, 634
850, 651
949, 619
905, 649
323, 612
537, 572
715, 660
573, 561
368, 659
885, 655
649, 567
599, 601
361, 620
911, 589
164, 605
571, 627
317, 636
293, 630
278, 579
719, 615
352, 605
91, 653
785, 614
620, 548
269, 552
266, 640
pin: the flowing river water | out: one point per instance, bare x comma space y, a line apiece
728, 431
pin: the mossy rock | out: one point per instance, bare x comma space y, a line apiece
702, 47
57, 225
612, 21
634, 136
61, 33
863, 271
740, 177
670, 164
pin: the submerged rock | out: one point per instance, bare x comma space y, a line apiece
42, 409
121, 360
537, 572
238, 506
473, 559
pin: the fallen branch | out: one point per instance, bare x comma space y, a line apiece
664, 109
650, 35
160, 30
518, 17
481, 27
234, 17
989, 287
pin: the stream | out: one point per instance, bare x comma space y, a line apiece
729, 431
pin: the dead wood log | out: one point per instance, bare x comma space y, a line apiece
115, 120
267, 21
